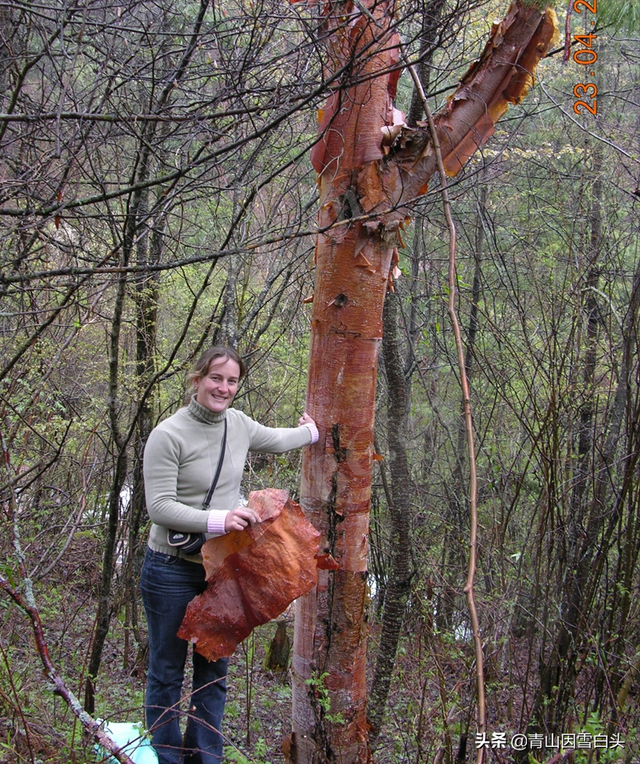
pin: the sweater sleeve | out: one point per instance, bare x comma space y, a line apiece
161, 463
276, 440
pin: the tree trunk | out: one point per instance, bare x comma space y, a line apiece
429, 43
363, 187
149, 253
135, 218
399, 583
103, 614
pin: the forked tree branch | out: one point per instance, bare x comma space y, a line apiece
90, 725
26, 602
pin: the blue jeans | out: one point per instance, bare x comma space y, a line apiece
168, 584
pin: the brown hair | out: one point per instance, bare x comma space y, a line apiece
201, 367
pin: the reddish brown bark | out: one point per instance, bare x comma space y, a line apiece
369, 171
253, 575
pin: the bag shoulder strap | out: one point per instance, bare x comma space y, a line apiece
207, 498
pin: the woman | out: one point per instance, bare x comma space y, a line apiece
183, 456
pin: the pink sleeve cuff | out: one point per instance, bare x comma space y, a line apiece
215, 521
313, 430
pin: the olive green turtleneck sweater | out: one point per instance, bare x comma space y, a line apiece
181, 458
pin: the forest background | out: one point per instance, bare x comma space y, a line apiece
156, 196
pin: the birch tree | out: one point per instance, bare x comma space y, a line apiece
370, 168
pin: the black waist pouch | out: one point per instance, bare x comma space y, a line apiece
188, 543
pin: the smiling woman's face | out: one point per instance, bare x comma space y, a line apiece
217, 390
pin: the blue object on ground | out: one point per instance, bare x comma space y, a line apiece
131, 739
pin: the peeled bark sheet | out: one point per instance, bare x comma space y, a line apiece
253, 575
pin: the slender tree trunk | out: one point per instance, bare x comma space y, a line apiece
227, 333
399, 581
431, 26
135, 223
149, 252
103, 614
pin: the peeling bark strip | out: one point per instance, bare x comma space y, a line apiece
370, 166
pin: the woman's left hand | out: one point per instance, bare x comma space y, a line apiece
305, 419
